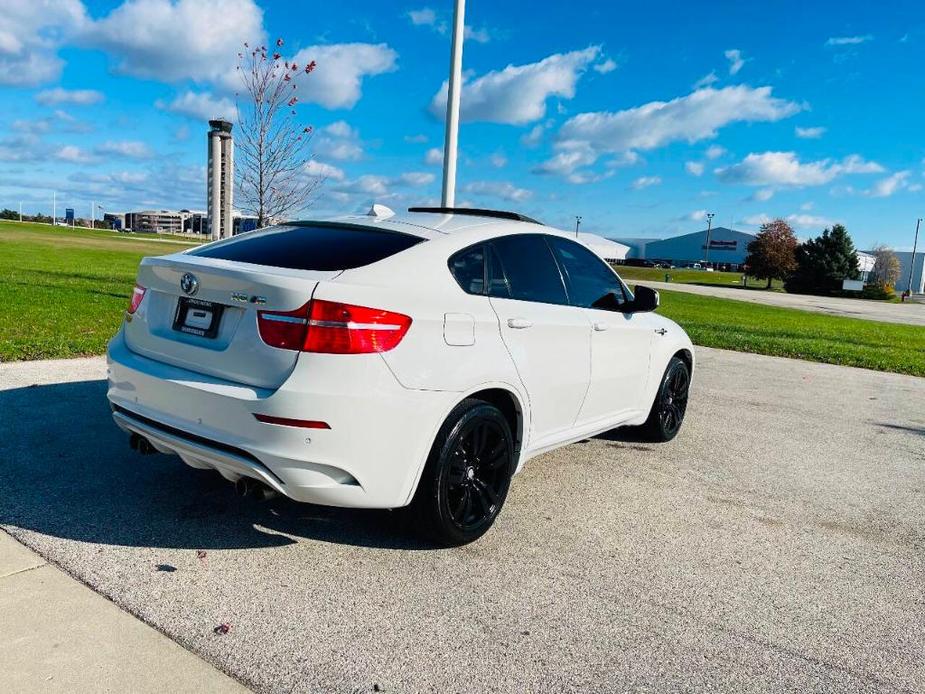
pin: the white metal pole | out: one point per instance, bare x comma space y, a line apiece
450, 144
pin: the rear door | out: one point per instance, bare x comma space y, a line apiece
620, 342
549, 341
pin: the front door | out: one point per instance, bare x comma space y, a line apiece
620, 342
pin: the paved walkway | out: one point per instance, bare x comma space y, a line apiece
908, 313
57, 635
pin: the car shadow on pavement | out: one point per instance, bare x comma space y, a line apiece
66, 470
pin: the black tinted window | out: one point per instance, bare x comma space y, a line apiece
591, 283
311, 247
529, 268
468, 267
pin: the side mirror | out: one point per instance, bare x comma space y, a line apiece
644, 299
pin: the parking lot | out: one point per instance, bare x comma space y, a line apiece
775, 545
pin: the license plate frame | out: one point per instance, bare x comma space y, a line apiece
197, 317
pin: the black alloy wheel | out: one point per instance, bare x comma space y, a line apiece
467, 476
670, 404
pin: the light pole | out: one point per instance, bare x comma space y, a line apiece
577, 225
450, 144
915, 243
710, 216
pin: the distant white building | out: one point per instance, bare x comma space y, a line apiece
608, 249
726, 247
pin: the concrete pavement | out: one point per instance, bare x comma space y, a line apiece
910, 313
776, 545
57, 635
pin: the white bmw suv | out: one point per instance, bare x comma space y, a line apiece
387, 360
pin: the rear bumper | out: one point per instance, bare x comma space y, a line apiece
371, 457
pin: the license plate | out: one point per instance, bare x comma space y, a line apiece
197, 317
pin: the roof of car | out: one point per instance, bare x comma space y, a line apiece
434, 222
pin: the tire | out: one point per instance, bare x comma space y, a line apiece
667, 413
467, 475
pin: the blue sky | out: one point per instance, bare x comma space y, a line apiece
639, 117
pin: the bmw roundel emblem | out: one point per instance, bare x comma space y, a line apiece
189, 284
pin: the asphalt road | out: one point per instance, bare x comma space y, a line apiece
910, 313
776, 545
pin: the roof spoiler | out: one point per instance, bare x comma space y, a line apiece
477, 212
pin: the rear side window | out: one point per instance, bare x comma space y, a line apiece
311, 247
529, 269
468, 267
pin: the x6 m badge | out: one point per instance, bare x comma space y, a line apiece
189, 284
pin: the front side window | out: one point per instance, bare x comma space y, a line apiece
591, 283
529, 270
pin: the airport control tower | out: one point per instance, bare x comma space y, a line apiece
220, 178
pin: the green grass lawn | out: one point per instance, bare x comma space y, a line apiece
684, 276
785, 332
63, 294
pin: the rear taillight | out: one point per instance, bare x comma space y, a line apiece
333, 328
285, 330
138, 293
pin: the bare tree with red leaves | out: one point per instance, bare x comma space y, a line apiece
272, 147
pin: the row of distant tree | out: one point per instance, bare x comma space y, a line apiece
46, 219
816, 266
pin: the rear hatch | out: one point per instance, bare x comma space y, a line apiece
199, 310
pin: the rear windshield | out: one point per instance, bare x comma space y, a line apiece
311, 247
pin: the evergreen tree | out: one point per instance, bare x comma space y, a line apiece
823, 262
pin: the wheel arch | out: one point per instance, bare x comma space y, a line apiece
512, 404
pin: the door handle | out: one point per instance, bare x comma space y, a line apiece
661, 331
601, 326
519, 323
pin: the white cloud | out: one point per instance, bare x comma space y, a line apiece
706, 80
80, 97
695, 168
318, 169
416, 139
498, 189
339, 141
809, 133
736, 61
518, 93
696, 216
762, 195
366, 185
200, 105
533, 137
886, 187
798, 221
697, 116
498, 160
433, 156
785, 169
337, 81
715, 151
645, 182
172, 41
806, 206
132, 149
428, 17
478, 35
609, 65
73, 154
30, 35
423, 17
567, 160
848, 40
417, 178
